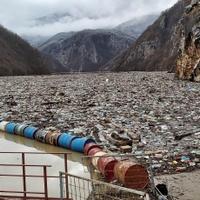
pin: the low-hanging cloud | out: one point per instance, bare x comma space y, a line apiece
24, 16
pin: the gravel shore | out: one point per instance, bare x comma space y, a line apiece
184, 186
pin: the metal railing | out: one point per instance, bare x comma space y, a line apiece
24, 176
155, 193
43, 177
88, 189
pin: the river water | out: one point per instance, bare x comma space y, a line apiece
13, 143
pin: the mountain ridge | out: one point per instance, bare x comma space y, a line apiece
56, 46
156, 49
87, 50
19, 58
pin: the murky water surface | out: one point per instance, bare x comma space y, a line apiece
14, 143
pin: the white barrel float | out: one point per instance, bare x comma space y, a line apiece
96, 158
3, 125
40, 136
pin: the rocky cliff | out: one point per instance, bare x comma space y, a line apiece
157, 48
188, 62
86, 50
17, 57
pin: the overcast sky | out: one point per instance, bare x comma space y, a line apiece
20, 15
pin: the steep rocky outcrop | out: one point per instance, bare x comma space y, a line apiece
188, 62
157, 48
86, 50
17, 57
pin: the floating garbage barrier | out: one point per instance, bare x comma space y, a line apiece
130, 174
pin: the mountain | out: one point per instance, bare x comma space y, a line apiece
137, 26
17, 57
56, 39
86, 50
157, 48
188, 62
134, 27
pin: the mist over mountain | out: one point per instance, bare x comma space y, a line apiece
135, 27
76, 37
50, 17
79, 51
35, 40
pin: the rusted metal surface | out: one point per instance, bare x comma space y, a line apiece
23, 193
94, 151
90, 189
24, 174
45, 182
90, 146
132, 175
106, 167
30, 198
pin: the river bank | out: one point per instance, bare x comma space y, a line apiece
183, 186
136, 112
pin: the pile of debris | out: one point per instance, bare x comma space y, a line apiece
150, 115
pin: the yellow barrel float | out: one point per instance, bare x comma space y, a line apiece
96, 158
52, 137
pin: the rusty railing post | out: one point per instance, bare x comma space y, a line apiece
66, 176
61, 186
45, 182
24, 174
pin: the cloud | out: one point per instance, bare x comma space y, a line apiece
21, 15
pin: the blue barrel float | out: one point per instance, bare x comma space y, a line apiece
10, 128
30, 131
78, 144
106, 165
65, 140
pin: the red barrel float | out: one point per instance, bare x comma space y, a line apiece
92, 151
52, 137
106, 167
96, 158
90, 146
131, 174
